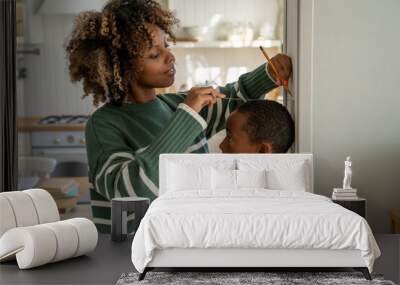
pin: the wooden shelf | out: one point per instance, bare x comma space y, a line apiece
31, 124
227, 44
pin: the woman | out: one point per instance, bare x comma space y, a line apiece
121, 56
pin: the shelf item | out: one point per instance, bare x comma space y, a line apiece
227, 44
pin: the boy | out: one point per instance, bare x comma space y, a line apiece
259, 126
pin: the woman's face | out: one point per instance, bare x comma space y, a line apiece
157, 67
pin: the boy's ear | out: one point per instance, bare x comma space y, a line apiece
265, 147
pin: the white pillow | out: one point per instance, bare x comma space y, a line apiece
251, 178
184, 177
223, 179
227, 179
223, 164
292, 178
281, 174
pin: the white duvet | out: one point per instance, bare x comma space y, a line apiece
252, 218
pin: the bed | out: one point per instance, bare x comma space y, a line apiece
247, 211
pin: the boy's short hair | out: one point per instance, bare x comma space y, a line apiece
269, 121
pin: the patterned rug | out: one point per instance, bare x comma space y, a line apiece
244, 278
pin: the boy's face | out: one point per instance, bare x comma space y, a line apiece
237, 139
157, 67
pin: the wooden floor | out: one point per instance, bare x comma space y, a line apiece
389, 262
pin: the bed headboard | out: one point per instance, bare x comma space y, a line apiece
215, 158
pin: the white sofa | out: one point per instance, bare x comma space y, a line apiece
31, 231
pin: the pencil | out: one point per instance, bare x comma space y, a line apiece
270, 61
284, 82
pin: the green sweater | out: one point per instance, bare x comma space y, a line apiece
124, 143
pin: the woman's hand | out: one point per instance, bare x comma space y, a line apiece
283, 64
198, 97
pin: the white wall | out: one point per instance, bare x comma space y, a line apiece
355, 99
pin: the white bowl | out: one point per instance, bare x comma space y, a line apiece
196, 32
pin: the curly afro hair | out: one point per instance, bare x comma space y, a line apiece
269, 121
103, 46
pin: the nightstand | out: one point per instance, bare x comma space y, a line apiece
358, 206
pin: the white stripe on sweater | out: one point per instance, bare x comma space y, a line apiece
117, 180
127, 180
97, 203
111, 157
209, 114
147, 181
219, 113
196, 146
108, 171
125, 174
101, 221
210, 110
238, 93
194, 114
141, 149
227, 111
106, 164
